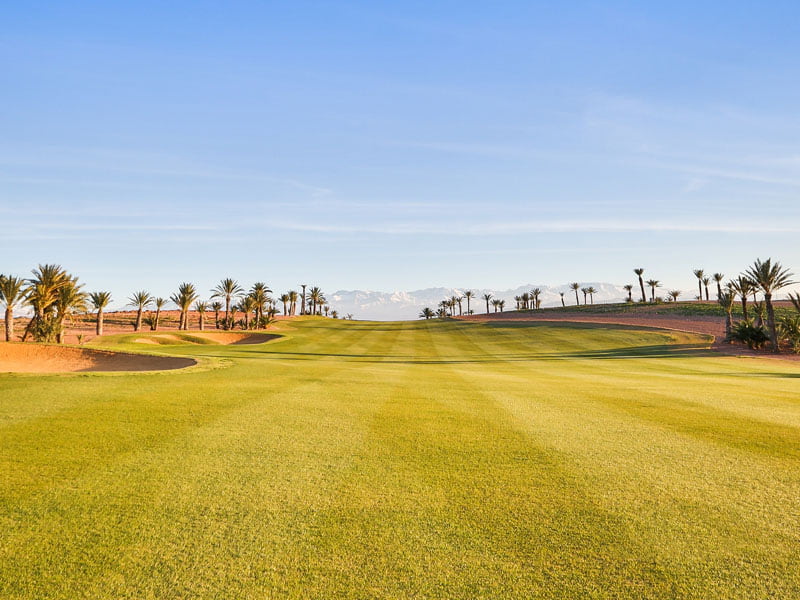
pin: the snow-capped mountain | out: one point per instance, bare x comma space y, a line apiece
386, 306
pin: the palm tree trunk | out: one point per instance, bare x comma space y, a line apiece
728, 325
744, 306
706, 293
641, 285
577, 300
227, 310
700, 290
9, 323
773, 332
155, 322
487, 306
202, 322
138, 324
719, 291
99, 329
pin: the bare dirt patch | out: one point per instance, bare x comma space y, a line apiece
41, 358
714, 326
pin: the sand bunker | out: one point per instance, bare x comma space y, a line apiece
229, 337
35, 358
214, 337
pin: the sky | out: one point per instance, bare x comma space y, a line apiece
397, 146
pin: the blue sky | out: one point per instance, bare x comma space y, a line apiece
382, 145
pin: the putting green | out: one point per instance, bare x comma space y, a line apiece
407, 460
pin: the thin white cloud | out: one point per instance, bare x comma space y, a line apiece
529, 227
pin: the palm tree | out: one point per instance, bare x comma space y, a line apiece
592, 292
535, 293
334, 314
427, 313
743, 286
726, 300
285, 299
585, 295
303, 299
524, 299
770, 277
260, 294
674, 294
699, 274
795, 300
562, 298
292, 302
187, 294
653, 283
315, 297
502, 305
12, 294
229, 289
247, 305
496, 304
70, 300
41, 293
200, 308
629, 288
706, 281
639, 272
469, 294
487, 298
140, 300
456, 301
718, 277
234, 308
760, 309
159, 304
216, 306
575, 287
99, 301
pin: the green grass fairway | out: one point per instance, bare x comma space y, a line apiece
407, 460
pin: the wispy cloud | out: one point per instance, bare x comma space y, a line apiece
529, 227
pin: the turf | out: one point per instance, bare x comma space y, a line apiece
408, 460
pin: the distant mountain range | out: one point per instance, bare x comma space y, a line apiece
386, 306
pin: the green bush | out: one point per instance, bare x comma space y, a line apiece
789, 330
746, 332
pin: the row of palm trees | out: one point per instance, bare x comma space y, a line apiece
763, 276
766, 277
56, 296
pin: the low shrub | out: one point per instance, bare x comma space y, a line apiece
754, 336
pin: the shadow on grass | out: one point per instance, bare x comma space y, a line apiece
650, 351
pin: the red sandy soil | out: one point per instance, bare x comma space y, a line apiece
226, 338
714, 326
42, 358
123, 321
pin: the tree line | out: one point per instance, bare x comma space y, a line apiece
55, 297
758, 328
